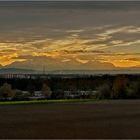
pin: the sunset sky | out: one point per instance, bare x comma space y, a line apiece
70, 35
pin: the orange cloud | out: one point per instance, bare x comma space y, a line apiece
125, 63
82, 61
75, 48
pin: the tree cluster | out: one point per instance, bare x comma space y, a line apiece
106, 87
120, 88
7, 93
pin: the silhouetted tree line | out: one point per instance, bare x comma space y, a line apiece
122, 87
107, 86
7, 93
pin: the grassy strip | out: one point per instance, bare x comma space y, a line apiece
46, 101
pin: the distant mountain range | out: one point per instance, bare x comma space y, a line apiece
30, 71
94, 72
17, 71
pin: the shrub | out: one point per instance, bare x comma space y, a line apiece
133, 90
6, 92
103, 92
19, 95
58, 94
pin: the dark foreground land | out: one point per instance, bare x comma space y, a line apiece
99, 119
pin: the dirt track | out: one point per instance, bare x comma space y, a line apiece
104, 119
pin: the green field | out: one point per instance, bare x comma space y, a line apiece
46, 101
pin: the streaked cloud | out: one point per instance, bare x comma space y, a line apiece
70, 37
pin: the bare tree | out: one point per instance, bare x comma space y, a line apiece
46, 91
119, 87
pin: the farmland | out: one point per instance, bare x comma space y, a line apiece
93, 119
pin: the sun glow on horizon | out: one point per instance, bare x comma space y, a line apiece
78, 49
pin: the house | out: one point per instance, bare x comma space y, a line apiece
38, 93
79, 93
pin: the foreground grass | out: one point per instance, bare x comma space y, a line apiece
46, 101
